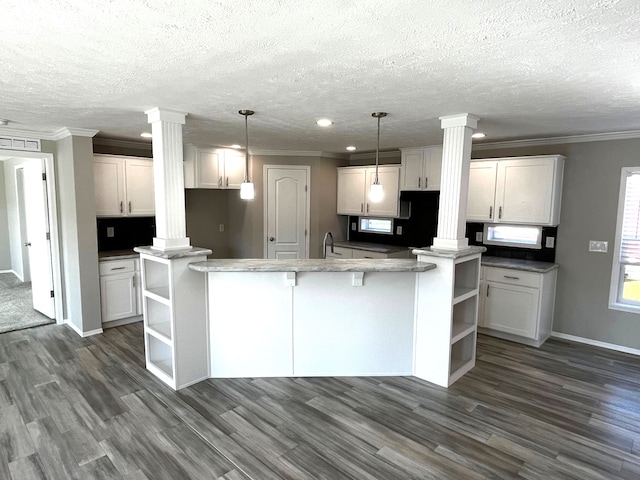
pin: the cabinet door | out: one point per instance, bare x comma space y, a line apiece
139, 187
208, 169
432, 168
412, 170
367, 254
524, 191
118, 297
233, 169
351, 191
389, 178
482, 189
511, 309
108, 179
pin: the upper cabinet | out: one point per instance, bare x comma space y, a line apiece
213, 168
521, 190
123, 186
421, 168
353, 191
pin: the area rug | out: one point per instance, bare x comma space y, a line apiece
16, 307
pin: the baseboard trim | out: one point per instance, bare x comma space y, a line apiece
596, 343
80, 332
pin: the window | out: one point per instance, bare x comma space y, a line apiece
513, 235
625, 273
376, 225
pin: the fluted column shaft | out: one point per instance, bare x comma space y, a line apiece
454, 186
168, 176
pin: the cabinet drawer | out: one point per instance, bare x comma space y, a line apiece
512, 277
339, 252
368, 254
117, 266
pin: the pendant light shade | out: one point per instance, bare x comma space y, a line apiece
376, 192
247, 192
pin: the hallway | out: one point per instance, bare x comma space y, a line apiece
16, 307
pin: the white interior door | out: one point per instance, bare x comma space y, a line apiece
287, 212
35, 204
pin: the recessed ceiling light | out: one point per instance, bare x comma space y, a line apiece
235, 145
146, 135
478, 135
351, 148
324, 122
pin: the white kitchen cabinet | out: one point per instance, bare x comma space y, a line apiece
353, 191
518, 305
120, 296
123, 186
421, 168
216, 168
519, 190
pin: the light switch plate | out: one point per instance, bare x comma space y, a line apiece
598, 246
550, 242
353, 226
111, 232
399, 230
221, 227
478, 236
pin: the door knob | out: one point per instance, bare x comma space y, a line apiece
271, 239
28, 244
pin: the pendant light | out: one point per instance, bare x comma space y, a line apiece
247, 192
376, 193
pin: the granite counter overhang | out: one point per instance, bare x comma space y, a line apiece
517, 264
312, 265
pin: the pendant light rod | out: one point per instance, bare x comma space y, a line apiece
246, 114
378, 115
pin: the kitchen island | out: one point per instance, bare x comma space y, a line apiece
311, 317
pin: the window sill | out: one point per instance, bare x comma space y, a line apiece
625, 307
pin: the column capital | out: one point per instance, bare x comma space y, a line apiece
158, 114
459, 120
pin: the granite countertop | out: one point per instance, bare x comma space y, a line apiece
370, 247
431, 252
182, 253
312, 265
117, 255
516, 264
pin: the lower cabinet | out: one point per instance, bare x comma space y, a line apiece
518, 305
346, 252
120, 294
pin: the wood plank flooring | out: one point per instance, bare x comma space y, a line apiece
74, 408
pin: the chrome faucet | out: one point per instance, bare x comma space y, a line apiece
327, 236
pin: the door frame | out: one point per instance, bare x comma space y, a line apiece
56, 263
265, 179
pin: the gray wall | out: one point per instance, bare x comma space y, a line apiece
5, 249
588, 212
206, 209
77, 218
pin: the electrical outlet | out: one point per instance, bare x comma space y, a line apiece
479, 237
111, 232
353, 226
550, 242
598, 246
399, 230
221, 227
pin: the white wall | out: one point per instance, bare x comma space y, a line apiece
5, 248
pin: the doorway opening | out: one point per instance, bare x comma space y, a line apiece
30, 271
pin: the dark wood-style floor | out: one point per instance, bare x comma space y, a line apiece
87, 408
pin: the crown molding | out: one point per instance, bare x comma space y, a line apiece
111, 142
370, 155
65, 132
297, 153
28, 133
533, 142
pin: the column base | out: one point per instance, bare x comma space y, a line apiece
166, 244
449, 244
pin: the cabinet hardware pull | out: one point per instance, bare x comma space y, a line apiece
227, 182
362, 208
488, 290
219, 181
500, 213
121, 207
367, 208
118, 268
426, 182
490, 212
419, 182
511, 278
129, 207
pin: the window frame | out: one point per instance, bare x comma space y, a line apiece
617, 269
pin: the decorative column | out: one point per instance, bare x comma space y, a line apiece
456, 154
168, 177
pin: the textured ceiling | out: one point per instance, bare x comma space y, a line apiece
527, 68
